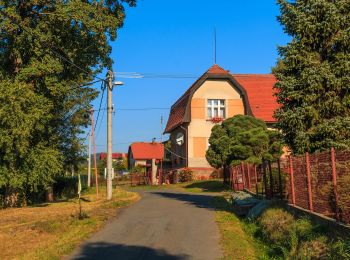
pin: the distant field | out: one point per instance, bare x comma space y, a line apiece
49, 231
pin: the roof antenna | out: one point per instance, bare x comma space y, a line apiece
214, 45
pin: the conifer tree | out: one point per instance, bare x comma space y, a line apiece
242, 138
313, 74
48, 49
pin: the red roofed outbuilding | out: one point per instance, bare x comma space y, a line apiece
216, 95
115, 156
141, 153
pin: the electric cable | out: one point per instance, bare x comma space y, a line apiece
47, 46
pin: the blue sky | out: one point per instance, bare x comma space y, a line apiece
176, 37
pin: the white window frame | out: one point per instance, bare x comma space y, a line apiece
212, 106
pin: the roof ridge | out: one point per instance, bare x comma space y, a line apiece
255, 74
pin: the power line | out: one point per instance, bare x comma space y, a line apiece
81, 86
99, 109
175, 153
103, 113
47, 46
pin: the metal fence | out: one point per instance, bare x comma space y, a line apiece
267, 179
318, 182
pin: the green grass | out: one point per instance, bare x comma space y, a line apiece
237, 240
53, 231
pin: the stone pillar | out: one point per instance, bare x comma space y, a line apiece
154, 172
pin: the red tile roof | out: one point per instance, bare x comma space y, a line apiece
258, 87
147, 151
216, 69
115, 156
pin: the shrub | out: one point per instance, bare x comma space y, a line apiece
314, 249
339, 250
185, 175
276, 225
66, 186
215, 174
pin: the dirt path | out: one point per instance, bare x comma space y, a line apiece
162, 225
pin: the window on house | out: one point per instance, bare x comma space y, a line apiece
216, 108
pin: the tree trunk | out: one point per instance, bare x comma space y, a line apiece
49, 194
11, 198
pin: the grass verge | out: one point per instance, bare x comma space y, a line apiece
236, 240
52, 230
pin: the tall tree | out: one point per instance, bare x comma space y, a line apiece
48, 50
313, 74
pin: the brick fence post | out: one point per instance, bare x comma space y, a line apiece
334, 177
292, 178
308, 171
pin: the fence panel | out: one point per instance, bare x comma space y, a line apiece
343, 184
321, 183
300, 182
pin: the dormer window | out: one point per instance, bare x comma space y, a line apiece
216, 108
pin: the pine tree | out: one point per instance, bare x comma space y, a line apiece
48, 49
313, 74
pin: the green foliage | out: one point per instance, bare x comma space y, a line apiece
340, 250
185, 175
137, 169
242, 138
121, 165
292, 238
313, 75
66, 186
43, 109
314, 249
276, 225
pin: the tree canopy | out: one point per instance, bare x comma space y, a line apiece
242, 138
48, 51
313, 74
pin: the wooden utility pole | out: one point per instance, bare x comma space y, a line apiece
89, 162
109, 135
94, 144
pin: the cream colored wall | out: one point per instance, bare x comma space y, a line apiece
140, 162
199, 127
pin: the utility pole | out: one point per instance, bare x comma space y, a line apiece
94, 144
89, 162
109, 135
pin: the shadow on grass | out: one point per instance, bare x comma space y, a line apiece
106, 251
208, 186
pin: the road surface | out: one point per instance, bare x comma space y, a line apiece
162, 225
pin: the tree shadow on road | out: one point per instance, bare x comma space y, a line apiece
198, 200
109, 251
207, 186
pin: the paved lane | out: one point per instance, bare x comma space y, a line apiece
162, 225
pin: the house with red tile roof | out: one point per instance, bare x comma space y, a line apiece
115, 156
147, 155
215, 96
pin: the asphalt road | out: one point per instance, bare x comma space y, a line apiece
162, 225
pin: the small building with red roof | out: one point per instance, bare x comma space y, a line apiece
142, 154
215, 96
115, 156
